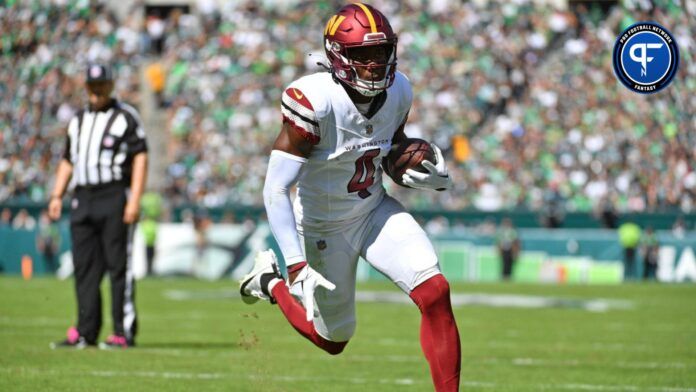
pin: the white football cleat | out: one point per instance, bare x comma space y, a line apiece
254, 285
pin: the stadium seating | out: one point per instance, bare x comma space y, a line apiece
521, 96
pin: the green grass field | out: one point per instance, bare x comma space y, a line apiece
197, 335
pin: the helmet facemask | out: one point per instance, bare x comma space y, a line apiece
380, 63
351, 60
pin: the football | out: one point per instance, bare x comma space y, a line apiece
407, 155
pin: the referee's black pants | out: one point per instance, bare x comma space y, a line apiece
508, 261
101, 242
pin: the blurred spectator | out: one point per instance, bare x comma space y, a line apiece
48, 241
679, 228
486, 227
651, 252
508, 244
23, 221
156, 78
152, 212
629, 237
6, 217
155, 28
201, 223
149, 230
607, 213
437, 225
553, 210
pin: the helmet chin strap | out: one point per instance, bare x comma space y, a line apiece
358, 86
371, 88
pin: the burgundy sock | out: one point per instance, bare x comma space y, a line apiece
439, 335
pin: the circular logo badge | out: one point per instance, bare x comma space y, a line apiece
108, 141
646, 57
95, 71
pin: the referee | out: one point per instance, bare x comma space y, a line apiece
105, 161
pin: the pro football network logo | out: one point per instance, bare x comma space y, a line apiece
646, 57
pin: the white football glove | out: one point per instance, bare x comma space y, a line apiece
436, 178
305, 283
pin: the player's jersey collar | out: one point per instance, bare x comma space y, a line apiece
376, 104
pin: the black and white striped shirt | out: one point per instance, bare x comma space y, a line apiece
101, 144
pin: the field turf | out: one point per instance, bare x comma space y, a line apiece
198, 335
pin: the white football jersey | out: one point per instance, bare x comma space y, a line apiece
342, 178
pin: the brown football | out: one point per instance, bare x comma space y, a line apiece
407, 155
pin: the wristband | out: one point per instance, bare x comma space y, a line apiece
296, 267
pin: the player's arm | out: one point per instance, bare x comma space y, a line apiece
63, 175
299, 133
290, 152
137, 145
131, 212
292, 142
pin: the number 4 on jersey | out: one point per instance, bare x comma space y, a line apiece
364, 175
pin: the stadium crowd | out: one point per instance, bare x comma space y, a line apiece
43, 51
577, 134
520, 95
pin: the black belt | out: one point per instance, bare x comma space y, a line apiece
100, 187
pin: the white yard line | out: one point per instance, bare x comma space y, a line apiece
517, 344
572, 362
620, 365
215, 376
345, 380
523, 361
21, 321
620, 388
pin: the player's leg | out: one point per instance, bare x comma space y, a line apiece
294, 312
117, 240
439, 335
334, 320
398, 247
89, 271
507, 264
336, 258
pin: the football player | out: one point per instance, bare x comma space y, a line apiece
337, 127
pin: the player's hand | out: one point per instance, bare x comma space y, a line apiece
131, 213
307, 280
55, 207
436, 178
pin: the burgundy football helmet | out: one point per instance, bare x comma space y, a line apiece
356, 26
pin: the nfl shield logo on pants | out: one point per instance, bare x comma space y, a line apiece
321, 244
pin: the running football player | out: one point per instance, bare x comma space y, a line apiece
337, 127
